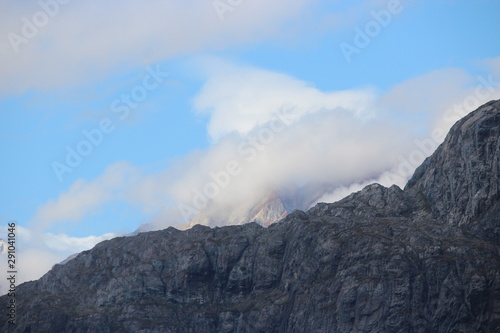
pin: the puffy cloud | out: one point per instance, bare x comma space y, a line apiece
348, 139
279, 132
241, 98
272, 132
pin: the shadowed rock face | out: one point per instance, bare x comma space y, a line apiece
426, 259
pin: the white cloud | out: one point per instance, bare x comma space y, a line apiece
86, 40
348, 139
37, 252
84, 197
493, 65
241, 98
327, 137
428, 93
343, 191
69, 244
344, 138
349, 14
428, 96
387, 179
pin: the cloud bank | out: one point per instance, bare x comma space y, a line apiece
271, 131
54, 43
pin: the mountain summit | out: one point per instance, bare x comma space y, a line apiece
422, 259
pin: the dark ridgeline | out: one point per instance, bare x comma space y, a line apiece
425, 259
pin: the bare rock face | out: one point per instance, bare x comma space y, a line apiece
461, 180
423, 259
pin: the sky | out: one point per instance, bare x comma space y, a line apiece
118, 114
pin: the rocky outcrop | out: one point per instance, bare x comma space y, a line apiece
461, 180
380, 260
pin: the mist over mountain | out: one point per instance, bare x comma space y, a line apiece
425, 258
268, 209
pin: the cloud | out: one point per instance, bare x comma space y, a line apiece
328, 146
428, 93
434, 101
493, 66
37, 252
241, 98
347, 15
335, 137
69, 244
275, 132
428, 96
346, 138
86, 40
84, 197
278, 130
343, 191
387, 179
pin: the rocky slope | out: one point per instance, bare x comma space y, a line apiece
461, 180
423, 259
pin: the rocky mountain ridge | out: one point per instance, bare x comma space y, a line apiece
422, 259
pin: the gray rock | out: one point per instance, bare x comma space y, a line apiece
426, 259
461, 180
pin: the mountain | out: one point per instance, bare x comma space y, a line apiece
461, 179
265, 210
422, 259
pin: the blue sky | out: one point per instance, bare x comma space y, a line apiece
222, 72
